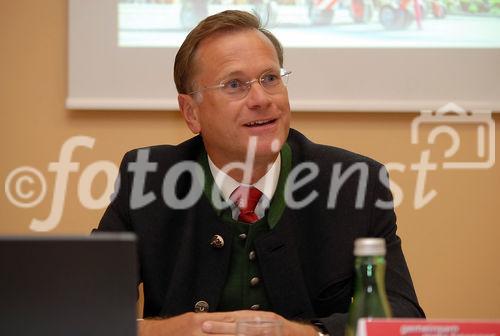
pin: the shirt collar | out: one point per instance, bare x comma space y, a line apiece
266, 184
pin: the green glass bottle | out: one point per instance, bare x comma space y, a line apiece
370, 298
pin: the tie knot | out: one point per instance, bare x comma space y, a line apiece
246, 199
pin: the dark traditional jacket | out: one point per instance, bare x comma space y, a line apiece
306, 260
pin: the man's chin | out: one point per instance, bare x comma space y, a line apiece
268, 150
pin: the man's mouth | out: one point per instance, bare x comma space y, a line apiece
258, 123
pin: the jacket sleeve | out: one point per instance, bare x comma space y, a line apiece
400, 291
117, 215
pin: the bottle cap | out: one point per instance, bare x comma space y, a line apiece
369, 247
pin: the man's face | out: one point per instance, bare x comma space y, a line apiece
225, 123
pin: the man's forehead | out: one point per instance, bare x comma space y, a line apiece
226, 50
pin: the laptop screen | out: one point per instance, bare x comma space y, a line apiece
78, 285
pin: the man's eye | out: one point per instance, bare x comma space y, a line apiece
269, 78
233, 84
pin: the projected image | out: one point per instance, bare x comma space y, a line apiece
324, 23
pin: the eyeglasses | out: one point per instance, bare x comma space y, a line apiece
271, 81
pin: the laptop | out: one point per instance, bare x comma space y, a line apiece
62, 286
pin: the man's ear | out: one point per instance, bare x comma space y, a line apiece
189, 109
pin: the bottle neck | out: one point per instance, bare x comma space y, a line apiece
370, 298
370, 271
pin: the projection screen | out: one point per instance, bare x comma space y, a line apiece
384, 57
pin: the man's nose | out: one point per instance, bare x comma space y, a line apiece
257, 96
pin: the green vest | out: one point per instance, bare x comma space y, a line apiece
244, 287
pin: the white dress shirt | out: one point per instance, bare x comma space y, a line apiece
266, 184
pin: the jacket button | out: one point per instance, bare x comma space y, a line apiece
254, 281
255, 307
201, 307
217, 241
242, 236
251, 255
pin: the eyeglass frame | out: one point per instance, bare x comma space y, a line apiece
247, 84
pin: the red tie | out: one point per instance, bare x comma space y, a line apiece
246, 198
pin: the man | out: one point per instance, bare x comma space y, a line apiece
270, 232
